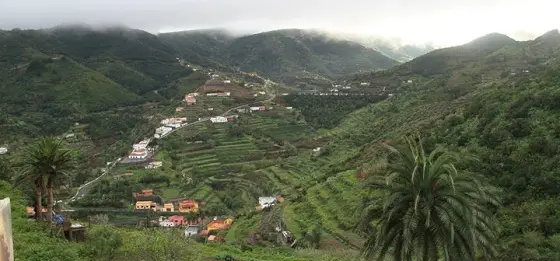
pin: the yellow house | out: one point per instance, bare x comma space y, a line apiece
168, 207
142, 205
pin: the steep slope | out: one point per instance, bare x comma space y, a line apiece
504, 111
98, 78
135, 59
278, 53
203, 47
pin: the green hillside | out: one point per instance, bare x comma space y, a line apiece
278, 53
506, 117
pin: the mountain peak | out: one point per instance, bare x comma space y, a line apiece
552, 35
491, 39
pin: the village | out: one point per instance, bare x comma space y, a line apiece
182, 212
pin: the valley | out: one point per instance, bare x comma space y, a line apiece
202, 136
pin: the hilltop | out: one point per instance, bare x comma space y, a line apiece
278, 53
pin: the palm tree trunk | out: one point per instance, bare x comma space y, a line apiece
50, 199
38, 199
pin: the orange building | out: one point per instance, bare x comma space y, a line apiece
219, 224
188, 206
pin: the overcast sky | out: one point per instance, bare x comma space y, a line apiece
443, 22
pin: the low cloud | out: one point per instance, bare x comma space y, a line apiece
438, 21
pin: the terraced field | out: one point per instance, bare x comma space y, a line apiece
277, 129
332, 206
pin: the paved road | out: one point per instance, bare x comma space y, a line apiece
82, 190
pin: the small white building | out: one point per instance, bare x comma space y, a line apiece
210, 109
218, 119
317, 149
364, 84
163, 130
141, 145
227, 81
285, 94
191, 231
138, 154
254, 108
262, 93
3, 150
166, 223
409, 81
214, 76
289, 108
267, 201
346, 87
71, 135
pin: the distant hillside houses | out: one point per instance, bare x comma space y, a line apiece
174, 122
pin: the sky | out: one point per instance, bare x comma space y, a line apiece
441, 22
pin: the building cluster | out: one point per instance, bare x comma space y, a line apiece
146, 200
169, 124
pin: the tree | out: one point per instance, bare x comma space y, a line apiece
432, 210
158, 245
103, 243
47, 159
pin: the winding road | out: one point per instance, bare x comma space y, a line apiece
83, 189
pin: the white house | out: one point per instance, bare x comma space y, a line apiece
141, 145
409, 81
214, 76
317, 149
364, 84
173, 122
227, 81
289, 108
164, 222
267, 201
191, 231
163, 130
262, 93
3, 150
210, 109
254, 108
138, 154
218, 119
285, 94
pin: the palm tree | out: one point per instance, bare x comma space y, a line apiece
432, 211
47, 159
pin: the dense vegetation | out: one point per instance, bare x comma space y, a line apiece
278, 53
328, 111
